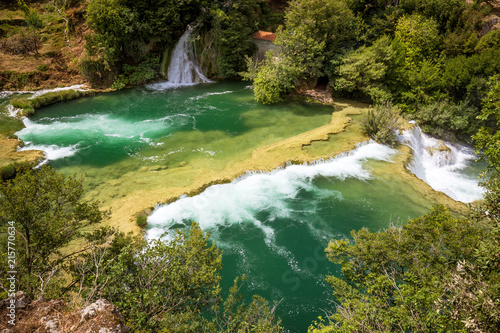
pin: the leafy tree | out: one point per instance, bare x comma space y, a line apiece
417, 38
444, 118
487, 143
465, 78
447, 13
364, 70
326, 25
49, 213
156, 284
489, 41
475, 285
233, 24
274, 79
394, 280
315, 31
167, 285
416, 87
234, 316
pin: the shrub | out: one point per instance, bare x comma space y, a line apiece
382, 122
136, 75
142, 221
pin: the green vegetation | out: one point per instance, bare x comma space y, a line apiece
142, 221
434, 274
429, 60
432, 59
390, 279
48, 213
135, 34
380, 124
159, 285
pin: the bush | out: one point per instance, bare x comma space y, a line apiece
273, 80
136, 75
380, 124
142, 221
441, 117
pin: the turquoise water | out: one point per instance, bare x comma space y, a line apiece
273, 227
142, 123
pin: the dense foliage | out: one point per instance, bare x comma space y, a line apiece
432, 59
434, 274
130, 34
48, 213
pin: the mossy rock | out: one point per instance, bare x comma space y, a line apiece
142, 221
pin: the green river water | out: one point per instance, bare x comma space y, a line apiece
274, 226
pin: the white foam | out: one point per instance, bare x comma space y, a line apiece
164, 85
93, 127
183, 69
5, 94
205, 95
13, 112
241, 200
440, 164
45, 91
52, 152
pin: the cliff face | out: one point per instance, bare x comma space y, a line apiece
54, 316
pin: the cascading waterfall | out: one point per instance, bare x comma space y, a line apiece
183, 69
440, 163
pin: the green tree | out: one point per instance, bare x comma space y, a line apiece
233, 26
233, 315
449, 14
473, 291
417, 39
316, 30
274, 79
394, 280
48, 213
364, 70
166, 285
157, 284
487, 143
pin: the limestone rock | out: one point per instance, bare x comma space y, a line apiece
52, 316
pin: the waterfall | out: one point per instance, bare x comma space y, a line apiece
183, 69
441, 164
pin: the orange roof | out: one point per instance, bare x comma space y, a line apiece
265, 35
